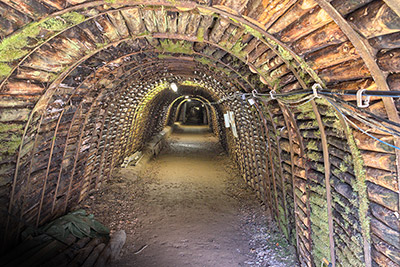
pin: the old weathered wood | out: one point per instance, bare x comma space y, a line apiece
385, 233
332, 55
390, 251
349, 70
383, 196
389, 41
67, 255
91, 259
299, 9
84, 252
386, 216
374, 20
365, 53
277, 140
117, 141
389, 60
327, 181
112, 250
329, 34
309, 22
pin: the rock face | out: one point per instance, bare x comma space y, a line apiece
85, 84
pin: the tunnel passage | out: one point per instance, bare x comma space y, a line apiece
86, 83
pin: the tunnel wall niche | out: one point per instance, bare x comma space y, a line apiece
74, 73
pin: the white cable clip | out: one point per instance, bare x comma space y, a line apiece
360, 102
272, 93
315, 88
251, 100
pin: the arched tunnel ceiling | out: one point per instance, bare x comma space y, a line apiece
80, 79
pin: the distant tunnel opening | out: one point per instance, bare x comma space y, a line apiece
303, 95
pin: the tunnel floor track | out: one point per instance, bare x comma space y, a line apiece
189, 207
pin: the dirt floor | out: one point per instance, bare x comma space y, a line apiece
189, 207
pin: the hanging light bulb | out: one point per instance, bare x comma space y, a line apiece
174, 87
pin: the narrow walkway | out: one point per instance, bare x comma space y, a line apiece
189, 207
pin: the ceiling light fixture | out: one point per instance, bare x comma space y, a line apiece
174, 87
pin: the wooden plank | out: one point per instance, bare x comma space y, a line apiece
386, 216
308, 23
385, 233
327, 181
378, 160
383, 196
329, 34
374, 20
364, 50
389, 60
350, 70
331, 55
386, 249
133, 18
293, 14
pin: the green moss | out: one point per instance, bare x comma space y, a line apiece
314, 156
6, 127
271, 42
307, 116
101, 45
308, 125
162, 56
254, 32
63, 22
200, 34
321, 168
284, 53
305, 68
16, 45
204, 61
11, 145
360, 186
176, 46
237, 49
305, 108
312, 145
320, 227
276, 73
265, 68
144, 33
5, 69
12, 47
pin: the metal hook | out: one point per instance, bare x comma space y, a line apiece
315, 88
360, 102
272, 93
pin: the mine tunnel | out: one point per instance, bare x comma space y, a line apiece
301, 95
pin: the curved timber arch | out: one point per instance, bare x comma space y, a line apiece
81, 80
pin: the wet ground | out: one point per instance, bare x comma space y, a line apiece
189, 207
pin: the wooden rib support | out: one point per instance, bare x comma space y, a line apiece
365, 51
284, 111
327, 181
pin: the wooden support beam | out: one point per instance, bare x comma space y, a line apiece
327, 181
365, 51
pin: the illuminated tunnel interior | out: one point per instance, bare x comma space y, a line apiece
302, 95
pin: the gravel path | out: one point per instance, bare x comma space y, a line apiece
189, 207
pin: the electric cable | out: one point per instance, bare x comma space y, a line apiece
360, 129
